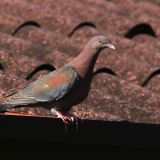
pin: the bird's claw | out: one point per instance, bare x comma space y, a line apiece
68, 120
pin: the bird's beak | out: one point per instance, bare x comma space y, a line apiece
110, 45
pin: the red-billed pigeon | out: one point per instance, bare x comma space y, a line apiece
63, 88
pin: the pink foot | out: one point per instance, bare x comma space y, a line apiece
68, 119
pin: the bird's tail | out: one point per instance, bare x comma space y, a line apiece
5, 107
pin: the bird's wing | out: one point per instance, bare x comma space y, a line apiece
52, 86
57, 85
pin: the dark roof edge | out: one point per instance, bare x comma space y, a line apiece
91, 132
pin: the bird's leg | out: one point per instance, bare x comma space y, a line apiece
67, 118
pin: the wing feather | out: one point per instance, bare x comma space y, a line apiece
57, 86
52, 86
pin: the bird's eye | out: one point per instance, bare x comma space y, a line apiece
100, 41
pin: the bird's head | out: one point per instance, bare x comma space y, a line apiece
100, 42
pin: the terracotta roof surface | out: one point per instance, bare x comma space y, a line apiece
51, 33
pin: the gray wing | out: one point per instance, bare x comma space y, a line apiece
52, 86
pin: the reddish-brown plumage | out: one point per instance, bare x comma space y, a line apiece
56, 81
52, 82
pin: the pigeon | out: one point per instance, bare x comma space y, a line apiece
64, 87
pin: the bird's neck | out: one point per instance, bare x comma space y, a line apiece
84, 63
